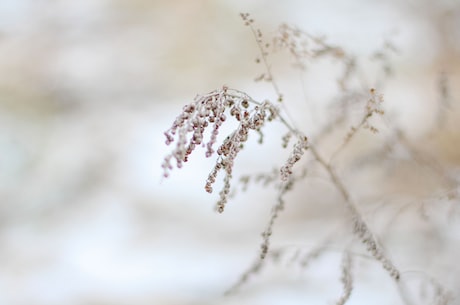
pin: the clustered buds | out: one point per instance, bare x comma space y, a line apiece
204, 111
296, 154
346, 278
361, 229
374, 104
248, 120
209, 111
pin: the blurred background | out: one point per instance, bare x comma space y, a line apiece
87, 89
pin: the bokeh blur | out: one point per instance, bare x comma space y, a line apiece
87, 89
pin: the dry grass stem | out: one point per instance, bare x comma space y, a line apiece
346, 278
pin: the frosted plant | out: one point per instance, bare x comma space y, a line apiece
201, 121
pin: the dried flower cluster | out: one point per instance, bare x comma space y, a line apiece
209, 111
296, 154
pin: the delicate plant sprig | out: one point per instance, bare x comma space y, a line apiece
304, 47
209, 111
302, 258
360, 227
264, 52
266, 236
373, 106
296, 154
251, 115
346, 278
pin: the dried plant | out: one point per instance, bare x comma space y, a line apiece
346, 278
201, 121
